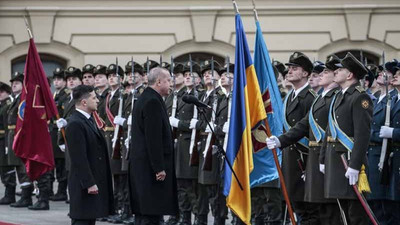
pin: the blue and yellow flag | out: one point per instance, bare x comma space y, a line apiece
264, 165
246, 112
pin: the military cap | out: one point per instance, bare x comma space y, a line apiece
206, 65
151, 63
5, 87
136, 67
73, 72
299, 59
318, 67
112, 69
285, 72
58, 72
390, 66
178, 67
278, 66
353, 65
195, 67
100, 69
17, 77
371, 74
396, 68
331, 62
165, 65
225, 68
88, 68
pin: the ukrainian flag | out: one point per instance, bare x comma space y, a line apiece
246, 112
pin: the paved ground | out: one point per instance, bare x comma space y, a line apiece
57, 215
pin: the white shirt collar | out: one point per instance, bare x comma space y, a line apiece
381, 97
87, 115
344, 90
325, 92
296, 92
113, 92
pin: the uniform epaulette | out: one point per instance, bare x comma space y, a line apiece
8, 102
360, 89
221, 92
313, 92
67, 91
141, 89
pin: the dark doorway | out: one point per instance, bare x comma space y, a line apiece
50, 63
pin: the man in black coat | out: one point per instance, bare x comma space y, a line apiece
90, 183
151, 171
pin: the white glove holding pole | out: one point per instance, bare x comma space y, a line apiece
273, 142
129, 122
322, 168
62, 148
119, 120
61, 123
208, 130
225, 128
386, 132
352, 175
193, 123
126, 143
173, 121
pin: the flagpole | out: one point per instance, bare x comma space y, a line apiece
27, 28
235, 6
278, 167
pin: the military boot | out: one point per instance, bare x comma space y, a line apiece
172, 220
44, 193
200, 220
26, 198
185, 218
61, 194
9, 196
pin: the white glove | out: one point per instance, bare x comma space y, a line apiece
322, 168
62, 148
386, 132
225, 128
208, 130
119, 120
6, 150
173, 121
352, 175
273, 142
129, 122
127, 143
193, 123
61, 123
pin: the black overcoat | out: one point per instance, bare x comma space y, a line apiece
153, 152
89, 166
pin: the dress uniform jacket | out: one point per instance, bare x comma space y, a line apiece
296, 109
353, 111
153, 153
3, 123
69, 107
89, 166
101, 107
59, 98
113, 104
378, 191
170, 99
12, 112
212, 176
182, 155
394, 184
314, 183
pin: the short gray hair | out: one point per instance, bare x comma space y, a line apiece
155, 73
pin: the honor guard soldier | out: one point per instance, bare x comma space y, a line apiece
88, 75
7, 172
73, 76
209, 173
280, 69
147, 66
114, 75
14, 161
186, 163
101, 87
392, 159
318, 67
370, 80
377, 198
313, 126
346, 138
297, 103
61, 95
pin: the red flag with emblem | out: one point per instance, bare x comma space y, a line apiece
32, 142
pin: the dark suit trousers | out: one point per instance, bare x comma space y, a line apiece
83, 222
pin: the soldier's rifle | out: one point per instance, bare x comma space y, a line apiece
229, 102
383, 159
208, 150
194, 153
174, 96
116, 141
132, 103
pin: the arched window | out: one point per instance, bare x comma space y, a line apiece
50, 63
200, 57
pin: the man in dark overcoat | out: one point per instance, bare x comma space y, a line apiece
151, 170
90, 182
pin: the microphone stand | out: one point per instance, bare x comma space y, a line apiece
217, 147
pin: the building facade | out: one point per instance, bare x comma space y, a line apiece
74, 33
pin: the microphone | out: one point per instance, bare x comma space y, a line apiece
193, 100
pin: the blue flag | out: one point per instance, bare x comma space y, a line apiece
263, 160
